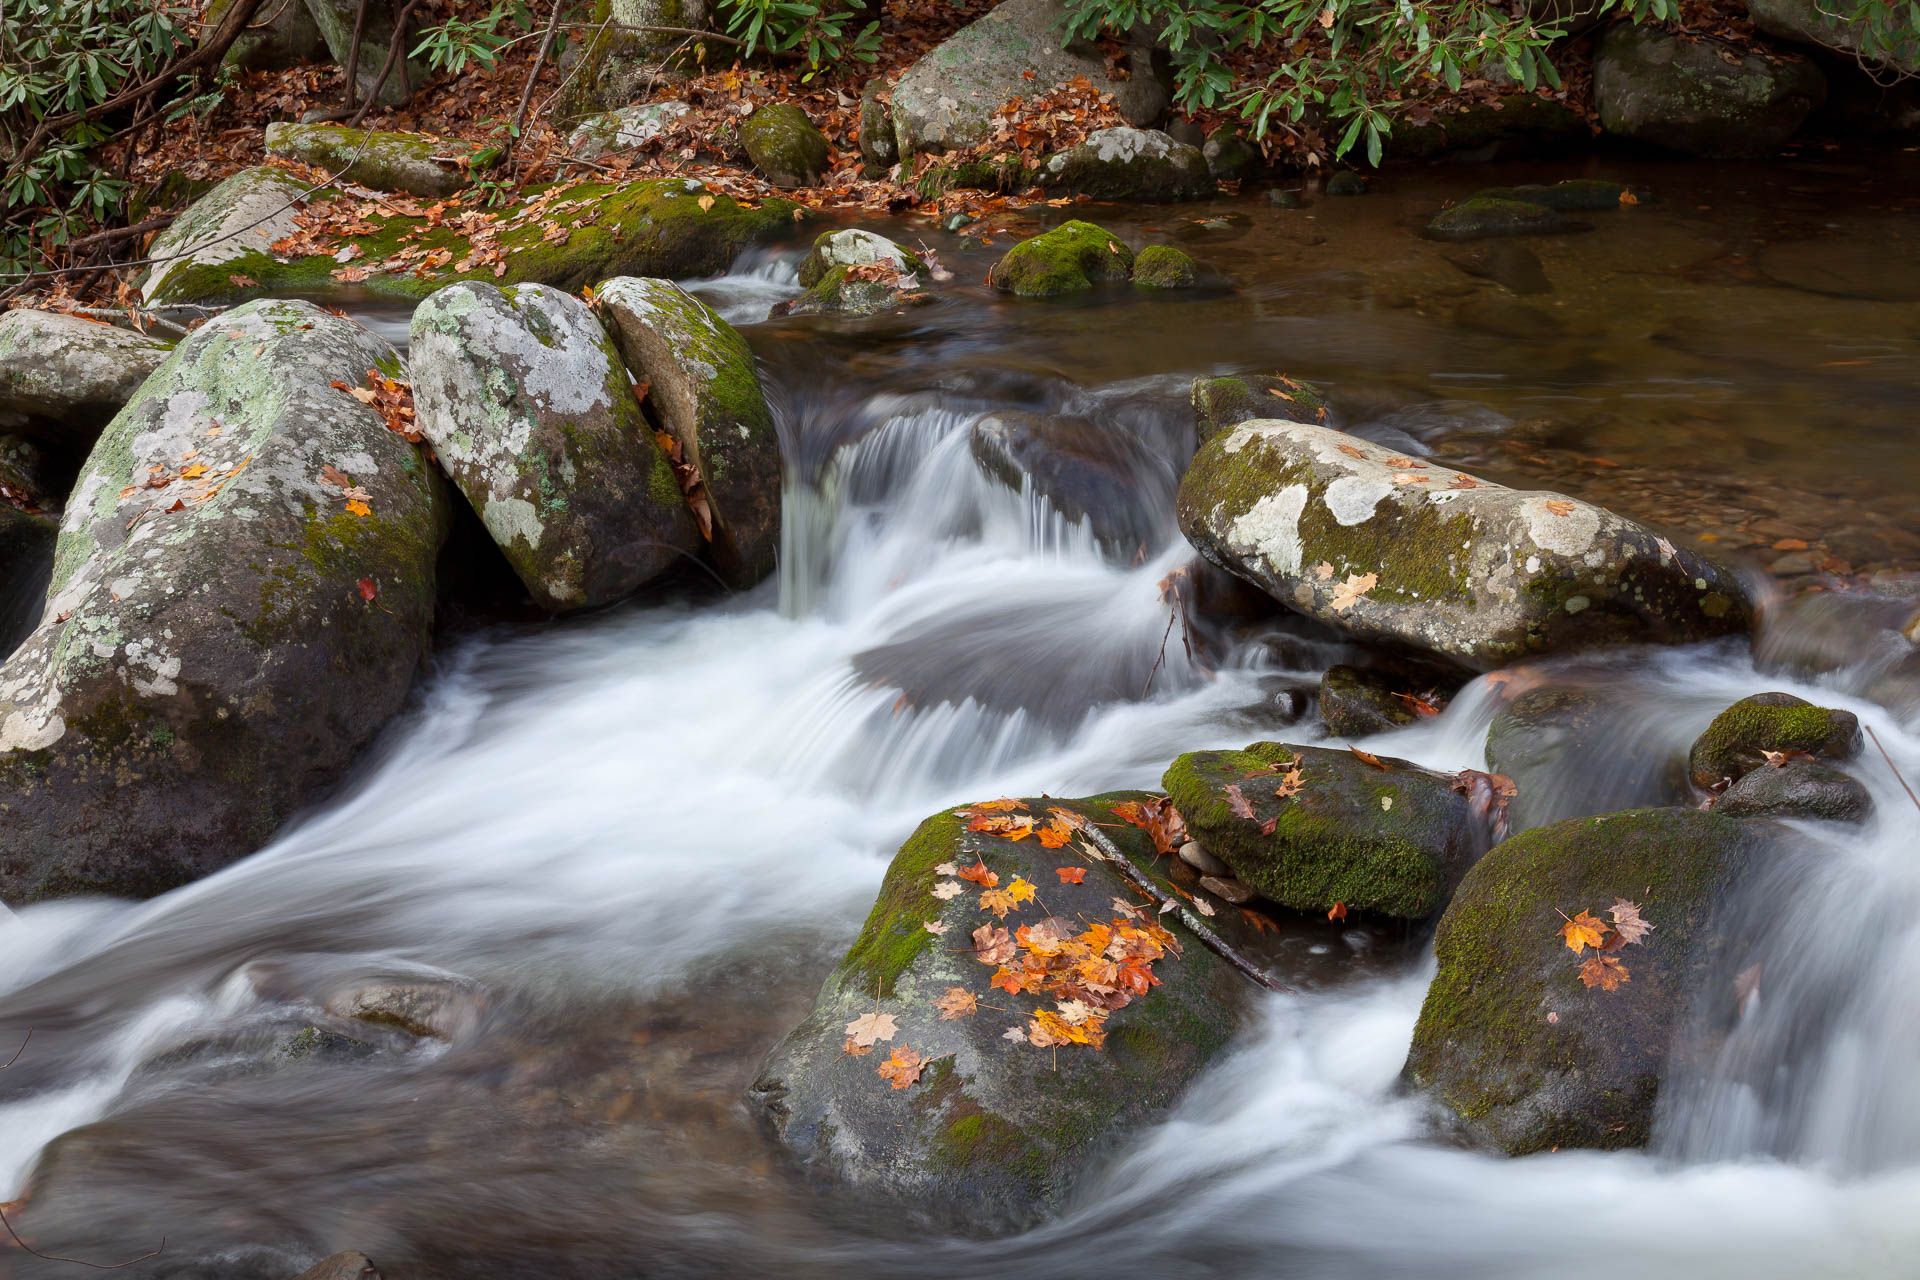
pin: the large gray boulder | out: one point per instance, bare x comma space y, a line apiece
1512, 1039
623, 61
243, 590
1418, 556
1022, 1089
225, 232
947, 100
337, 19
62, 377
622, 130
1685, 96
417, 163
785, 145
280, 34
1836, 25
1130, 164
532, 414
704, 389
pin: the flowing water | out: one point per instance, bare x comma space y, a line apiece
639, 840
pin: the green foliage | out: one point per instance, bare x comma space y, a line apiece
1880, 32
455, 43
818, 31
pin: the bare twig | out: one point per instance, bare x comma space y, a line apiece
1896, 768
539, 62
393, 56
156, 223
78, 1262
22, 1049
353, 52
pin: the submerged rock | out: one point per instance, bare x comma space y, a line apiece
994, 1130
1219, 403
244, 588
1129, 164
1231, 156
858, 273
1737, 741
531, 413
1085, 471
1479, 217
62, 377
1686, 96
1396, 551
705, 391
417, 163
1393, 838
1161, 266
1510, 1040
622, 130
350, 1265
1071, 258
785, 146
1346, 183
1574, 195
1797, 789
1573, 752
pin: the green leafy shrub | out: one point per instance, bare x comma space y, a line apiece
819, 32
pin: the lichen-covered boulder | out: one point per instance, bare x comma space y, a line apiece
704, 389
1684, 95
225, 233
624, 56
1129, 164
1071, 258
879, 149
1397, 551
1310, 828
855, 272
947, 100
280, 34
785, 146
1086, 472
993, 1129
337, 20
1573, 751
1511, 1040
1737, 741
1219, 403
621, 130
417, 163
530, 411
673, 227
1831, 26
1573, 195
1797, 789
1481, 216
1161, 266
62, 377
1345, 182
243, 589
1355, 703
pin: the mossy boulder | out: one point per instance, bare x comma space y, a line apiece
280, 34
622, 130
879, 149
1574, 195
673, 227
62, 377
1423, 558
1355, 703
999, 175
1129, 164
785, 146
531, 413
1737, 741
948, 100
1700, 96
1510, 1041
1161, 266
1071, 258
1086, 471
854, 272
1573, 751
1219, 403
1346, 182
1797, 789
1392, 838
1479, 217
224, 233
243, 589
997, 1131
337, 20
417, 163
704, 390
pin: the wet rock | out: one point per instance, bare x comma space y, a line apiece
1574, 195
431, 1010
1355, 703
1393, 840
1512, 266
1683, 95
337, 20
1346, 183
1791, 565
1071, 258
1085, 471
319, 1043
1737, 741
879, 149
672, 227
947, 100
858, 273
1129, 164
1510, 1041
1230, 156
278, 35
785, 146
1573, 752
992, 1137
1821, 26
1230, 890
1518, 125
623, 63
417, 163
1869, 640
1161, 266
531, 413
704, 388
622, 130
62, 377
1195, 855
1397, 552
351, 1265
29, 478
1479, 217
217, 647
1219, 403
1798, 789
1856, 265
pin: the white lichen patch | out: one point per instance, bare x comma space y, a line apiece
1352, 499
1560, 525
1270, 529
512, 519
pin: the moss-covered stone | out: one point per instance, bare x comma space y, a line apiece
785, 146
227, 232
1393, 840
1575, 195
1510, 1041
280, 34
1071, 258
1481, 216
1219, 403
1346, 182
1355, 703
1737, 741
859, 273
417, 163
1231, 156
995, 1134
1129, 164
879, 149
341, 24
1517, 125
994, 175
1798, 789
1161, 266
622, 59
1700, 96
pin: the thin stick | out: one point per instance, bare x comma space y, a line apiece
539, 61
1161, 657
22, 1049
386, 68
78, 1262
1896, 768
353, 51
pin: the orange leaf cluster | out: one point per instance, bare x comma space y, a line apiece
1158, 818
692, 484
1604, 968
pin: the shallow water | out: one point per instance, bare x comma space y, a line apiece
645, 836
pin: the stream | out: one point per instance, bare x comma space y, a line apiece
642, 838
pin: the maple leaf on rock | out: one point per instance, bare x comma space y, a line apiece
993, 945
1604, 972
1627, 920
998, 901
869, 1027
1070, 875
1353, 590
979, 874
956, 1003
1020, 890
902, 1068
1583, 931
947, 890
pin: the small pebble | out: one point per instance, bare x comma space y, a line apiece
1232, 890
1200, 860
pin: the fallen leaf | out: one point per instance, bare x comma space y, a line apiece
194, 472
1561, 507
993, 945
1367, 758
979, 874
1238, 802
946, 869
1627, 921
947, 889
1337, 912
1290, 783
957, 1003
853, 1050
998, 901
869, 1027
1605, 972
934, 927
1021, 890
1070, 875
1323, 571
902, 1069
1353, 590
366, 588
1627, 197
358, 508
1584, 931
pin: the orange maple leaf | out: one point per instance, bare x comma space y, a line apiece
902, 1069
956, 1003
979, 874
1337, 912
1604, 972
998, 901
1070, 875
993, 945
1583, 931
